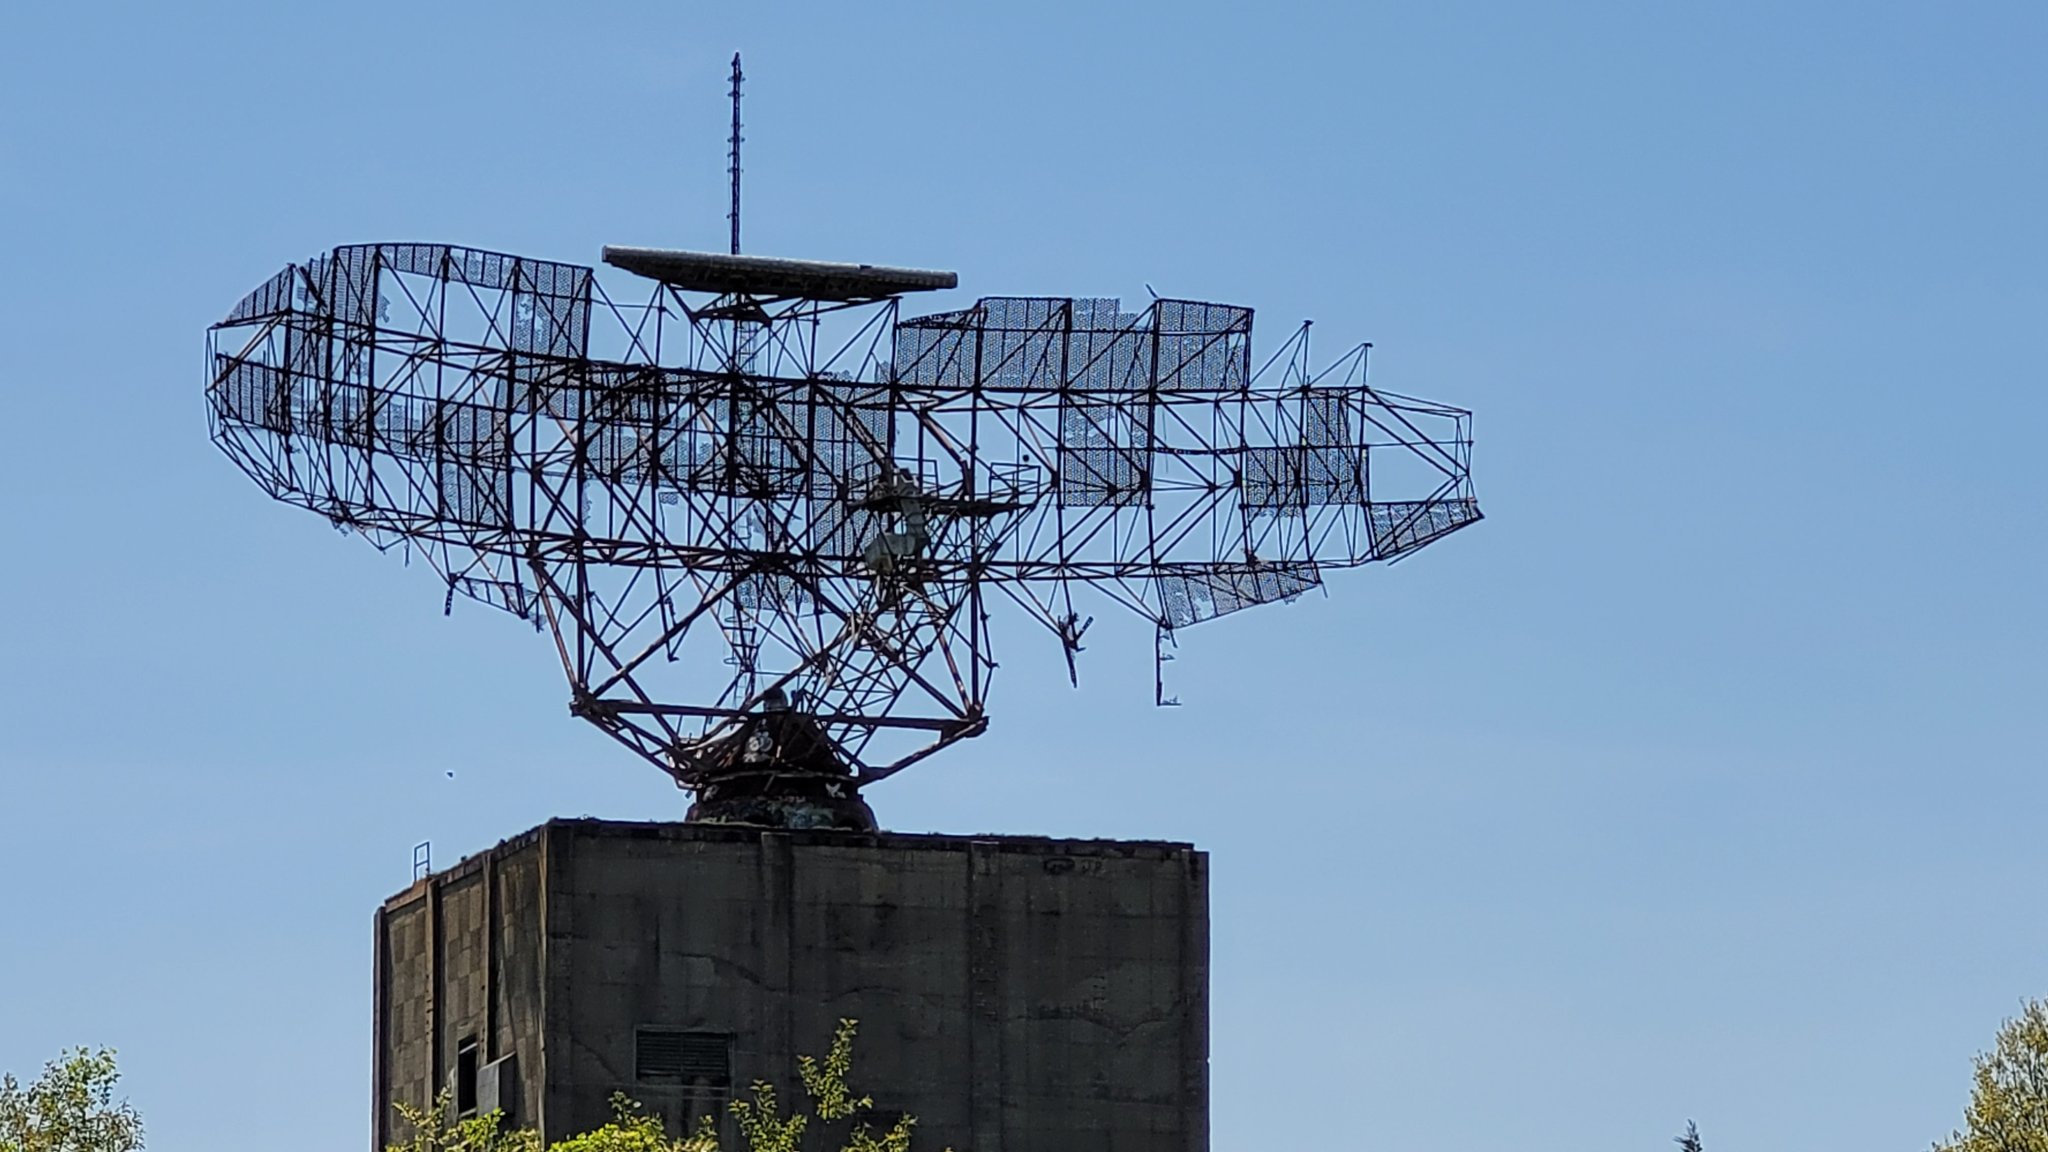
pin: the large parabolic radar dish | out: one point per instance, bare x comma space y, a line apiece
762, 474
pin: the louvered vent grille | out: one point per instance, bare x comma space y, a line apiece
670, 1054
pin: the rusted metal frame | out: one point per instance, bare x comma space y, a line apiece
871, 331
558, 502
1118, 590
652, 531
916, 723
979, 726
984, 371
942, 623
1358, 541
1087, 571
977, 549
841, 675
742, 638
601, 550
753, 700
1195, 483
1087, 393
1349, 364
1059, 439
1162, 637
531, 421
613, 606
883, 646
849, 631
780, 622
925, 419
257, 465
1284, 355
641, 512
542, 588
1025, 430
1327, 522
976, 639
777, 347
1205, 445
1151, 505
1317, 526
662, 747
704, 604
815, 638
1020, 592
1099, 518
1029, 421
436, 500
561, 333
595, 651
722, 309
1109, 444
1264, 528
318, 298
1449, 465
578, 679
1213, 338
858, 680
926, 631
1416, 404
1180, 527
262, 332
491, 313
427, 318
1138, 597
878, 689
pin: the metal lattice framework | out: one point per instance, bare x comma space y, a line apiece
779, 468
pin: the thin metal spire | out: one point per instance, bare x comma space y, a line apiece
734, 216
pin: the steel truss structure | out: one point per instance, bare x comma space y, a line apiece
765, 460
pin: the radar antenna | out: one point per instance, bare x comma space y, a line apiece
768, 461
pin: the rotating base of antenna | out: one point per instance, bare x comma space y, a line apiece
777, 770
780, 809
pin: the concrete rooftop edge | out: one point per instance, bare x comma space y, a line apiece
742, 833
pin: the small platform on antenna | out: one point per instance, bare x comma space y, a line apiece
765, 276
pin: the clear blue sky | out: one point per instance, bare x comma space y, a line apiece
1703, 779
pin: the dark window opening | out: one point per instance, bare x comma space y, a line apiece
465, 1077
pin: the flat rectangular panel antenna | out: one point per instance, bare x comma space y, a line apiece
767, 276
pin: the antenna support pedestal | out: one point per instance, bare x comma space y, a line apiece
776, 770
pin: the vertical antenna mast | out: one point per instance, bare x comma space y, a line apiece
746, 650
734, 216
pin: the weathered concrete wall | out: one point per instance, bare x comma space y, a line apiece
1015, 994
459, 959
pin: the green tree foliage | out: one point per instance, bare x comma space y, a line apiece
69, 1108
825, 1082
2008, 1109
434, 1129
1689, 1140
760, 1120
632, 1130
